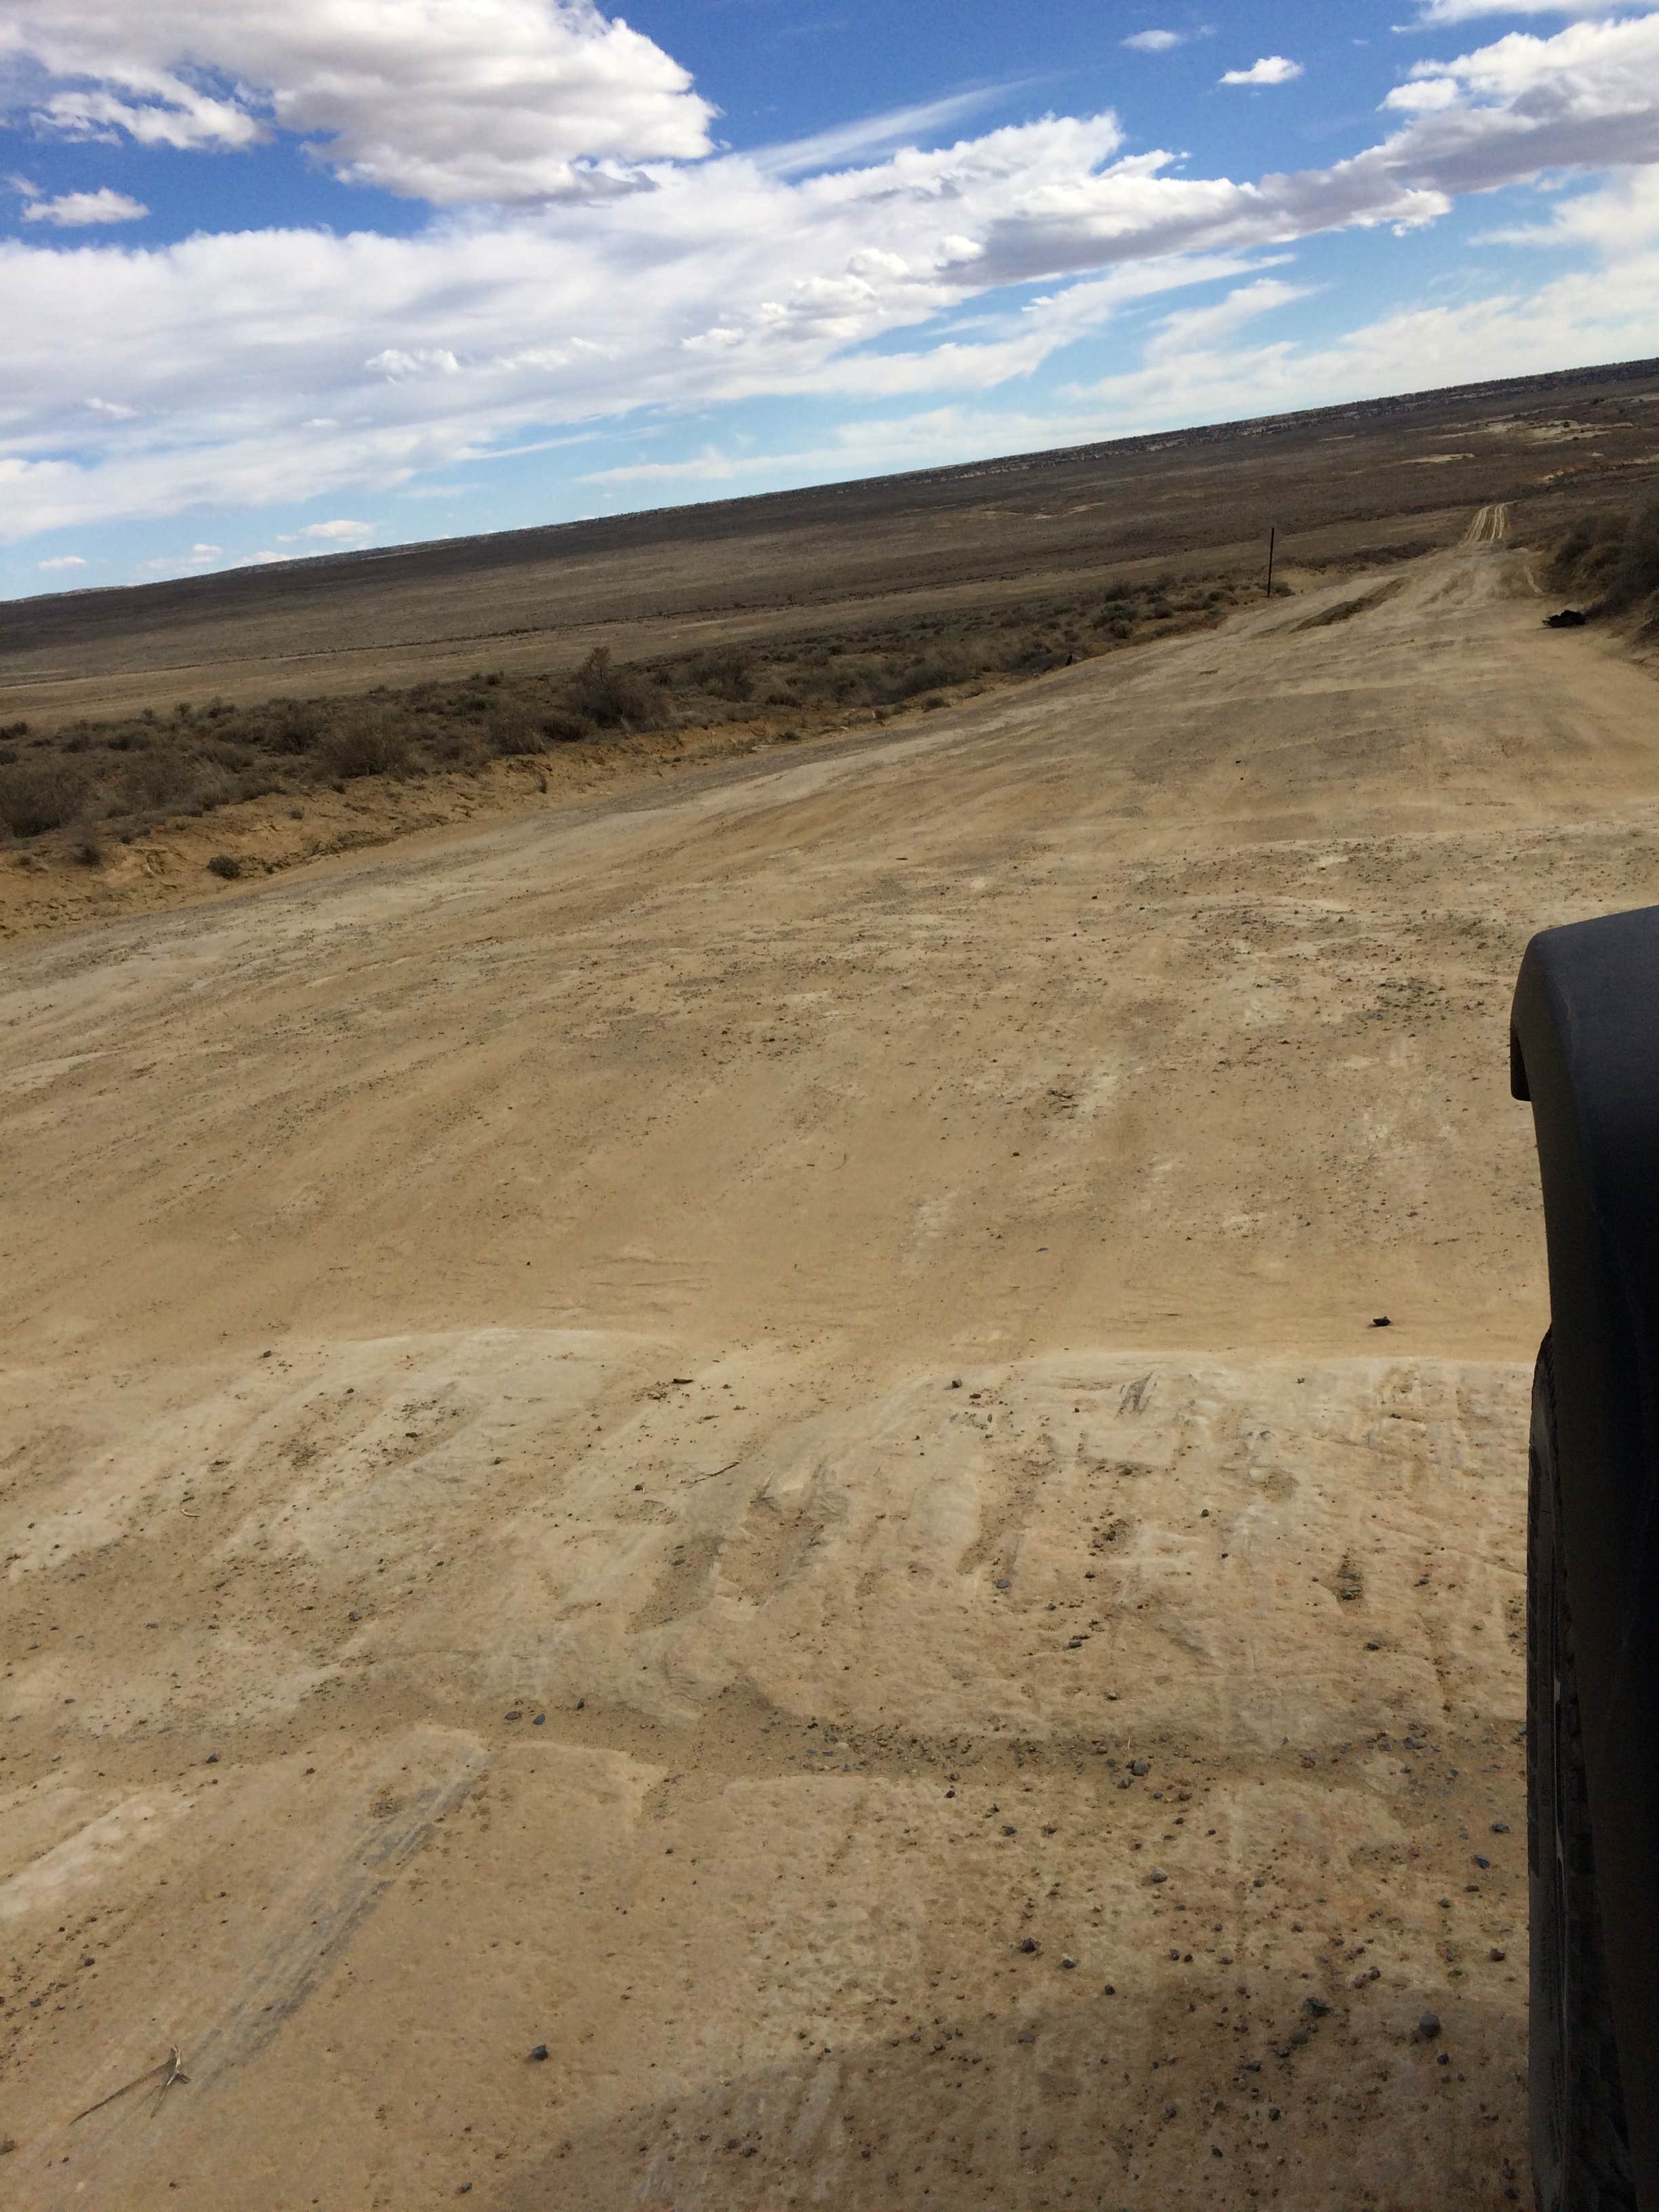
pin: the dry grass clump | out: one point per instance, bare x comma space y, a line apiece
1611, 555
39, 795
123, 778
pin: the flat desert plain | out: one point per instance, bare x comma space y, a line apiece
701, 1506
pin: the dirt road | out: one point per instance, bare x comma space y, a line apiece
701, 1509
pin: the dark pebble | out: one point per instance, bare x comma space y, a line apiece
1381, 1321
1140, 1766
1316, 2007
539, 2051
1497, 1956
1429, 2024
514, 1716
1500, 1828
1028, 1944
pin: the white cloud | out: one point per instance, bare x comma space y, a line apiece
327, 533
74, 210
1154, 42
1587, 98
1272, 69
205, 552
875, 135
62, 561
1579, 319
1464, 11
1197, 329
497, 99
287, 366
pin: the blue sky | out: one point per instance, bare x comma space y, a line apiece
292, 276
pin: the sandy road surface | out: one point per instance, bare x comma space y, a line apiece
622, 1436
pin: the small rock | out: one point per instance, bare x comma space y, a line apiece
1158, 1875
1028, 1944
1273, 2111
213, 1758
539, 2051
1068, 1964
1481, 1862
1315, 2007
1497, 1956
1026, 2035
1500, 1828
1140, 1766
540, 1721
1381, 1321
514, 1716
1429, 2025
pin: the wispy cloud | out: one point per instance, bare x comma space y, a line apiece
1466, 11
62, 561
898, 126
1154, 42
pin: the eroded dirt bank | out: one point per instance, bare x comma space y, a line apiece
742, 1438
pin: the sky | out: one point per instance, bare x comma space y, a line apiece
283, 277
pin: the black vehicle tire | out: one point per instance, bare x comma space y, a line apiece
1581, 2156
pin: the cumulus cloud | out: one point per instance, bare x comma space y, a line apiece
74, 210
327, 533
497, 100
62, 561
1154, 42
1587, 98
1272, 69
282, 365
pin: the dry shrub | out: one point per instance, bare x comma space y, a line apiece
1636, 576
1610, 556
294, 726
515, 731
367, 743
36, 796
165, 776
728, 670
615, 698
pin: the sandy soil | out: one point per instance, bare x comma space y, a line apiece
737, 1438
